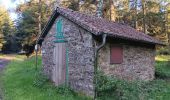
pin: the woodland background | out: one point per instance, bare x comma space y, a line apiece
150, 16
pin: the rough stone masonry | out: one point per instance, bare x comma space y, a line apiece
82, 33
80, 53
138, 63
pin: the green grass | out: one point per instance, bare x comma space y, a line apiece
163, 66
163, 58
22, 82
115, 89
159, 89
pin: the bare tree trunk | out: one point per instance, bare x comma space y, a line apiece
112, 11
99, 12
39, 30
40, 16
135, 17
110, 2
57, 3
168, 25
144, 14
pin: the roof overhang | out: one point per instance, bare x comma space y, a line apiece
57, 12
47, 27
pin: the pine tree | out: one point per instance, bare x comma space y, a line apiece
6, 26
168, 23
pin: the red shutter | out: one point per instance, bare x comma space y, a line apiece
116, 54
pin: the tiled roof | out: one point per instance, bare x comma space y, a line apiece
100, 26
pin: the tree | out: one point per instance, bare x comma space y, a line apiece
7, 29
168, 23
32, 17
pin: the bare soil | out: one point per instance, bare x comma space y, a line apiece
3, 63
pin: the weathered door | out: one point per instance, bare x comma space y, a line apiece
59, 70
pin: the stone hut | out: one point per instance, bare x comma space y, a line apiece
71, 41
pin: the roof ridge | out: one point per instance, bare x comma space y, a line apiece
98, 26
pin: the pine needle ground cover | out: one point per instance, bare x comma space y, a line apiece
21, 81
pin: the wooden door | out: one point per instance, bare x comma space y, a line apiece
59, 69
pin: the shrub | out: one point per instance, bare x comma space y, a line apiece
40, 80
162, 70
116, 89
163, 51
62, 89
110, 88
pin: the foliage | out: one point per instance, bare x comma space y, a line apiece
111, 88
163, 51
124, 90
20, 77
7, 32
130, 12
26, 29
22, 82
65, 90
40, 80
163, 67
27, 24
5, 21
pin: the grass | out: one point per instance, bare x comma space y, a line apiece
115, 89
163, 58
158, 89
163, 66
22, 82
162, 81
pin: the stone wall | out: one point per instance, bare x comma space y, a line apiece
47, 53
80, 56
138, 63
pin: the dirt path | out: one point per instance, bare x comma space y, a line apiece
3, 63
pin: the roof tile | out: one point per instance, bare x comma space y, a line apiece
99, 26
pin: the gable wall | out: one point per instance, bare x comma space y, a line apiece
138, 63
80, 56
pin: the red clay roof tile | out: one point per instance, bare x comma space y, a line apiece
99, 26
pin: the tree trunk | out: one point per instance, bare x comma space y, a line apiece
136, 13
39, 31
112, 11
144, 14
99, 12
58, 3
40, 16
168, 24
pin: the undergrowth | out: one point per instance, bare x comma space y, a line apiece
22, 82
111, 88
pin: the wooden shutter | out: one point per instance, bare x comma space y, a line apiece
116, 54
